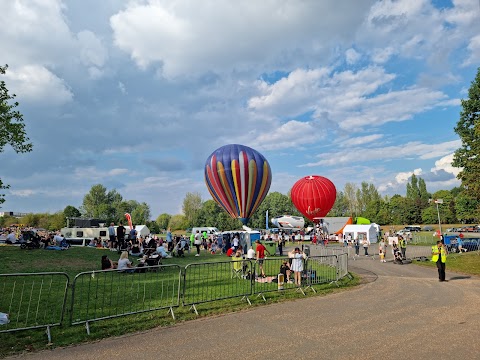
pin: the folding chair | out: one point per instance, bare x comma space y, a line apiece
237, 267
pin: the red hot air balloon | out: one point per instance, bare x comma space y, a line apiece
313, 196
238, 178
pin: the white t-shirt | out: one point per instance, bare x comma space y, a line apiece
198, 240
123, 264
251, 254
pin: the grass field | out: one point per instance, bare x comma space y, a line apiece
466, 263
106, 294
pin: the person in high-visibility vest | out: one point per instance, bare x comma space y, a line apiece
439, 256
403, 247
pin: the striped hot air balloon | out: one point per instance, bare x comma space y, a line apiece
238, 178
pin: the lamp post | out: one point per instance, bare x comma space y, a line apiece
439, 201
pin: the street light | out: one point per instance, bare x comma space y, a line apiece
439, 201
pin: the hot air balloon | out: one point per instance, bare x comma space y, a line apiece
238, 178
313, 196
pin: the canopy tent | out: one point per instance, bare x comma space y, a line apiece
361, 231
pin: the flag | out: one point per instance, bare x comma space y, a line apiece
129, 219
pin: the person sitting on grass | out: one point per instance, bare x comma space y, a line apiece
124, 263
162, 252
107, 264
285, 270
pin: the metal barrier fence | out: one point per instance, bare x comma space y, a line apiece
105, 294
271, 268
321, 270
342, 266
207, 282
33, 301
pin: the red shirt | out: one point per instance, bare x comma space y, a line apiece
230, 252
261, 251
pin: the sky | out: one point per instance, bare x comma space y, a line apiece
135, 95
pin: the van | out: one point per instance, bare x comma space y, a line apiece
208, 229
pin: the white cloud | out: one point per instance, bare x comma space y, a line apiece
194, 37
23, 192
350, 99
414, 150
352, 56
403, 177
38, 85
361, 140
281, 137
474, 49
92, 51
445, 164
380, 56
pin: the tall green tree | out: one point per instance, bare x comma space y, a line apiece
466, 207
163, 220
468, 128
12, 127
192, 203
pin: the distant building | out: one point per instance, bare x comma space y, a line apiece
12, 213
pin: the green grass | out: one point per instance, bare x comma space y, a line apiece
466, 263
109, 293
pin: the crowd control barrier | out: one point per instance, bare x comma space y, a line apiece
105, 294
211, 281
320, 270
271, 269
33, 301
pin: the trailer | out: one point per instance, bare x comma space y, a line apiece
81, 236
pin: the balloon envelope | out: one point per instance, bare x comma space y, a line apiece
313, 196
238, 178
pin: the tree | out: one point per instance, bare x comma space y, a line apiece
178, 222
163, 220
191, 207
141, 213
94, 202
12, 127
71, 211
465, 207
468, 128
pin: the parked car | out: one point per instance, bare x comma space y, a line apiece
403, 232
428, 228
412, 228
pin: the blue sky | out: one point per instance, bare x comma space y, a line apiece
136, 95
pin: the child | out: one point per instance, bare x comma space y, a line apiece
382, 255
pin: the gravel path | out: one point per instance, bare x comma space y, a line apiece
400, 312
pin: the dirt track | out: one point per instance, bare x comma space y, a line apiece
401, 312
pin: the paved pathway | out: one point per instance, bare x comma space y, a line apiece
401, 312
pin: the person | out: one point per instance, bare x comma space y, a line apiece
120, 236
345, 241
261, 249
439, 256
192, 239
459, 244
297, 257
235, 242
133, 234
230, 252
357, 246
169, 240
124, 264
403, 246
286, 271
381, 254
111, 236
281, 244
107, 264
197, 242
136, 249
383, 245
250, 253
11, 238
365, 243
93, 242
161, 251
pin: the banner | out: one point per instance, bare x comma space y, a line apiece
129, 219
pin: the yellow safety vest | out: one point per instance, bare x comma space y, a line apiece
443, 254
402, 244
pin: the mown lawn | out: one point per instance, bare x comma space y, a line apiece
466, 263
107, 294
